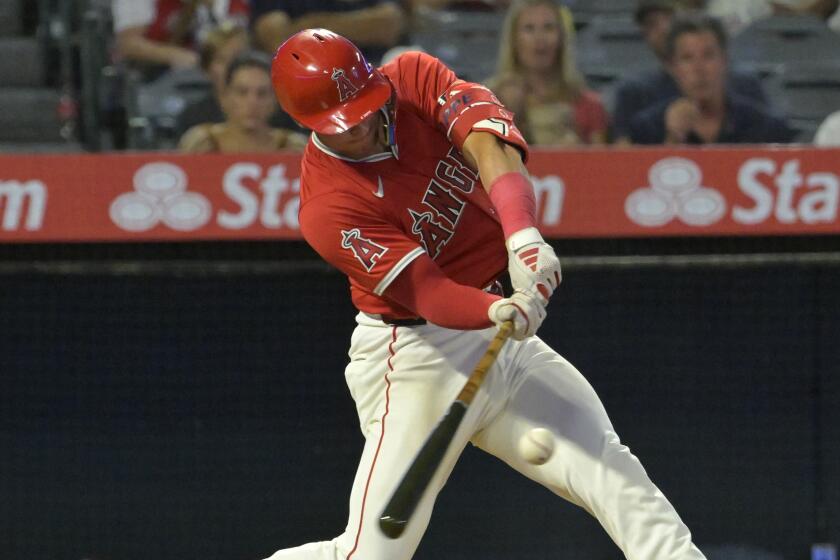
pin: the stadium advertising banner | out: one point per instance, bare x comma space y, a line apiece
581, 193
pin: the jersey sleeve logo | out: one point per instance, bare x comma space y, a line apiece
368, 252
346, 89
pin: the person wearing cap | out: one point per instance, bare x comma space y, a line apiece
650, 87
413, 185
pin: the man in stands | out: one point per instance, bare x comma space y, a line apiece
651, 87
707, 110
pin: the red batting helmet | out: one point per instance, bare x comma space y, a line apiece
322, 80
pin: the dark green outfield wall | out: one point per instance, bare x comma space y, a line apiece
200, 415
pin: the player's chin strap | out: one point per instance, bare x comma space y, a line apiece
390, 127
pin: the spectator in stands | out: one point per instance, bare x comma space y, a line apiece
828, 134
648, 88
248, 102
536, 77
221, 45
164, 32
737, 16
374, 25
706, 111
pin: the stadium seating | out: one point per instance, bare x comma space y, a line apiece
29, 102
154, 107
797, 56
612, 46
11, 18
806, 92
590, 8
780, 40
468, 42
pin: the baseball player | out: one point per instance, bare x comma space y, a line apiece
413, 185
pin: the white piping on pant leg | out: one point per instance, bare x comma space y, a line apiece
381, 439
424, 381
430, 367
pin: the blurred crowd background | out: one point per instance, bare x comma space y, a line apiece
184, 399
193, 75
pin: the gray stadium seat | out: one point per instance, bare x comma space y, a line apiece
612, 46
153, 108
590, 8
29, 115
808, 90
22, 63
805, 93
806, 129
11, 18
782, 40
468, 42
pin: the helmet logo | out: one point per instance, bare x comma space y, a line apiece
344, 85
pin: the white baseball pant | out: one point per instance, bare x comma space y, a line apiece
403, 379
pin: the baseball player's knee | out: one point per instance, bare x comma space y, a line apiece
612, 449
608, 460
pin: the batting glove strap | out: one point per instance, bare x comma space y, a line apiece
524, 309
524, 237
532, 264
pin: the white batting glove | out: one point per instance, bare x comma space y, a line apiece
532, 263
525, 310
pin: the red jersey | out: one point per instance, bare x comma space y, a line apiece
167, 13
371, 218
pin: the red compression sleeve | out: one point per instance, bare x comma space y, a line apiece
424, 289
513, 197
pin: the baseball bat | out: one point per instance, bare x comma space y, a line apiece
413, 485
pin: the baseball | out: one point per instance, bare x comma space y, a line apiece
536, 446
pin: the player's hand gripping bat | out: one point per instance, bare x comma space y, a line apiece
413, 485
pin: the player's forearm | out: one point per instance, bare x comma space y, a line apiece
504, 177
491, 157
380, 25
424, 289
532, 263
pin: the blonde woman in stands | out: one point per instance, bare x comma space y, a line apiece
248, 103
537, 78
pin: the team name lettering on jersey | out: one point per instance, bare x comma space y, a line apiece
433, 235
344, 85
435, 224
444, 202
368, 252
453, 172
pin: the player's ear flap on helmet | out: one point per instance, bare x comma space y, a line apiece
324, 83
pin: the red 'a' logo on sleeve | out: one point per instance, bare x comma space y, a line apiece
344, 85
368, 252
